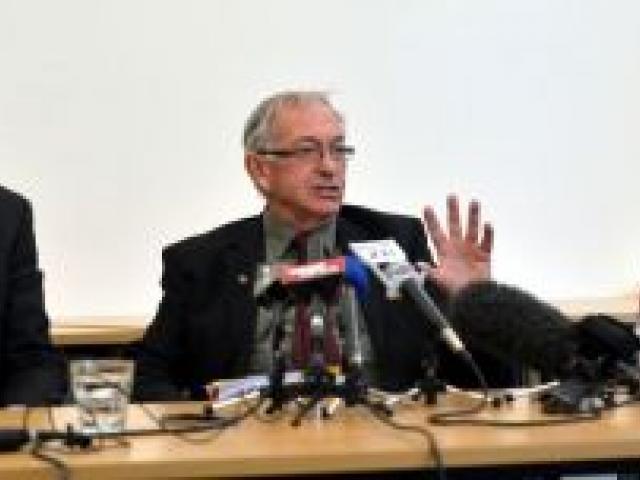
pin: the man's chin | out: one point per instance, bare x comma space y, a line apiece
328, 207
326, 211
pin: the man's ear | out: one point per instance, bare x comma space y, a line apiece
258, 170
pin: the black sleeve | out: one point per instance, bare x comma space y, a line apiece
34, 372
160, 353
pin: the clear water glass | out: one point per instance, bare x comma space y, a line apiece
101, 389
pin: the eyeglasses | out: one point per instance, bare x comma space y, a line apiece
310, 153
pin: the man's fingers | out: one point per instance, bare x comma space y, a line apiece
473, 222
486, 245
433, 228
453, 217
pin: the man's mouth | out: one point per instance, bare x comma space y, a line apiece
327, 191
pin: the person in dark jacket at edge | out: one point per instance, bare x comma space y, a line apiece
32, 372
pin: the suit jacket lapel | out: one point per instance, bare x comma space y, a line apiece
347, 232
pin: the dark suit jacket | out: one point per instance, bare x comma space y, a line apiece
30, 370
204, 327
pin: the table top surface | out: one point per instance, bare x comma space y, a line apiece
353, 440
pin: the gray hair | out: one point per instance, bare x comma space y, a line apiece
258, 130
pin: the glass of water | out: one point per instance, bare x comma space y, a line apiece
101, 389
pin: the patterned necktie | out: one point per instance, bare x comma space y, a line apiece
301, 341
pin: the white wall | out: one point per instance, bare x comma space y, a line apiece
121, 121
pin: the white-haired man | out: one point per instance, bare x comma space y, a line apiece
208, 324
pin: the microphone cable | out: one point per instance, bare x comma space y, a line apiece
468, 415
461, 415
432, 441
208, 421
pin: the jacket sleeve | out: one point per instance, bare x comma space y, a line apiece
160, 353
34, 371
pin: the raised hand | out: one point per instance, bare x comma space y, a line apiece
461, 257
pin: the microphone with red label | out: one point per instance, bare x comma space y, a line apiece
401, 279
279, 280
321, 283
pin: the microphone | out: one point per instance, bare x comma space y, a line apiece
401, 279
318, 281
602, 335
613, 344
274, 281
352, 320
514, 326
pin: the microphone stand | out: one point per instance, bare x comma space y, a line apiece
430, 385
275, 390
319, 380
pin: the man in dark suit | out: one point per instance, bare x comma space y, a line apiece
31, 372
208, 324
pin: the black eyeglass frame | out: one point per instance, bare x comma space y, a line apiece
341, 151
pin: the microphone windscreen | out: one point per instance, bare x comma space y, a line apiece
515, 326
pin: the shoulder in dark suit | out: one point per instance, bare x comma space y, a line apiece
204, 326
30, 370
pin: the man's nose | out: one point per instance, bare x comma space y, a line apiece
327, 162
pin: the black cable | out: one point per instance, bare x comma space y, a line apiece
466, 416
567, 419
455, 416
434, 449
60, 467
71, 438
208, 422
204, 423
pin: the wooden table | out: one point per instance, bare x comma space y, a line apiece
98, 330
353, 440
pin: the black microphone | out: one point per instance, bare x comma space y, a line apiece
390, 265
412, 288
352, 322
613, 345
280, 281
602, 335
515, 326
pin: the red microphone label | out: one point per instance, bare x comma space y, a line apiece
309, 271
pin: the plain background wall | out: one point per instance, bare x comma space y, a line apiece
121, 121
